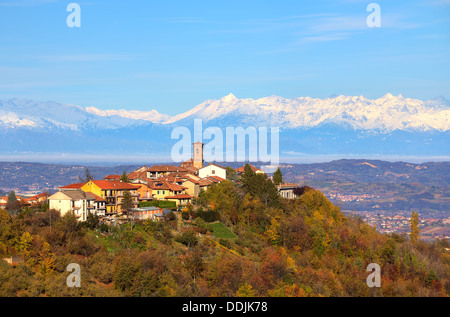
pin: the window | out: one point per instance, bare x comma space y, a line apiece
214, 171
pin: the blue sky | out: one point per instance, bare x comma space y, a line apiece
173, 55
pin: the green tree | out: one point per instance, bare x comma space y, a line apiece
277, 177
12, 205
124, 178
247, 178
415, 232
232, 175
269, 193
127, 202
188, 238
69, 224
92, 221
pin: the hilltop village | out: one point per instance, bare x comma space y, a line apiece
145, 193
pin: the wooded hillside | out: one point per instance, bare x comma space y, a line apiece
238, 239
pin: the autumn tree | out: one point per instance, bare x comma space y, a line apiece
193, 262
24, 245
245, 290
415, 232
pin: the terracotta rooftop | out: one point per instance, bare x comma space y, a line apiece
214, 164
242, 169
167, 185
104, 184
73, 186
139, 175
287, 185
112, 177
166, 168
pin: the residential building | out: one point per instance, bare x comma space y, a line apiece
180, 199
112, 192
98, 206
287, 190
76, 201
138, 177
144, 192
212, 170
144, 213
191, 185
37, 199
204, 183
158, 171
164, 190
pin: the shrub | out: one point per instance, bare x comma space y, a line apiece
188, 237
225, 243
208, 216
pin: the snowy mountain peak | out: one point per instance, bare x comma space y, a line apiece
229, 98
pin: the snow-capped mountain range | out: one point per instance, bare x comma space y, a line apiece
309, 125
384, 114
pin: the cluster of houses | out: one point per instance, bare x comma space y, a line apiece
26, 201
179, 184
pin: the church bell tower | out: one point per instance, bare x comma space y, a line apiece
198, 155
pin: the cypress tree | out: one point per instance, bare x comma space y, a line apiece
277, 177
415, 232
12, 205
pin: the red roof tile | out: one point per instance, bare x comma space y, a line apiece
167, 185
112, 177
166, 168
104, 184
73, 186
242, 169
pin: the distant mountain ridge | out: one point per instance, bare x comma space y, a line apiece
384, 114
309, 126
